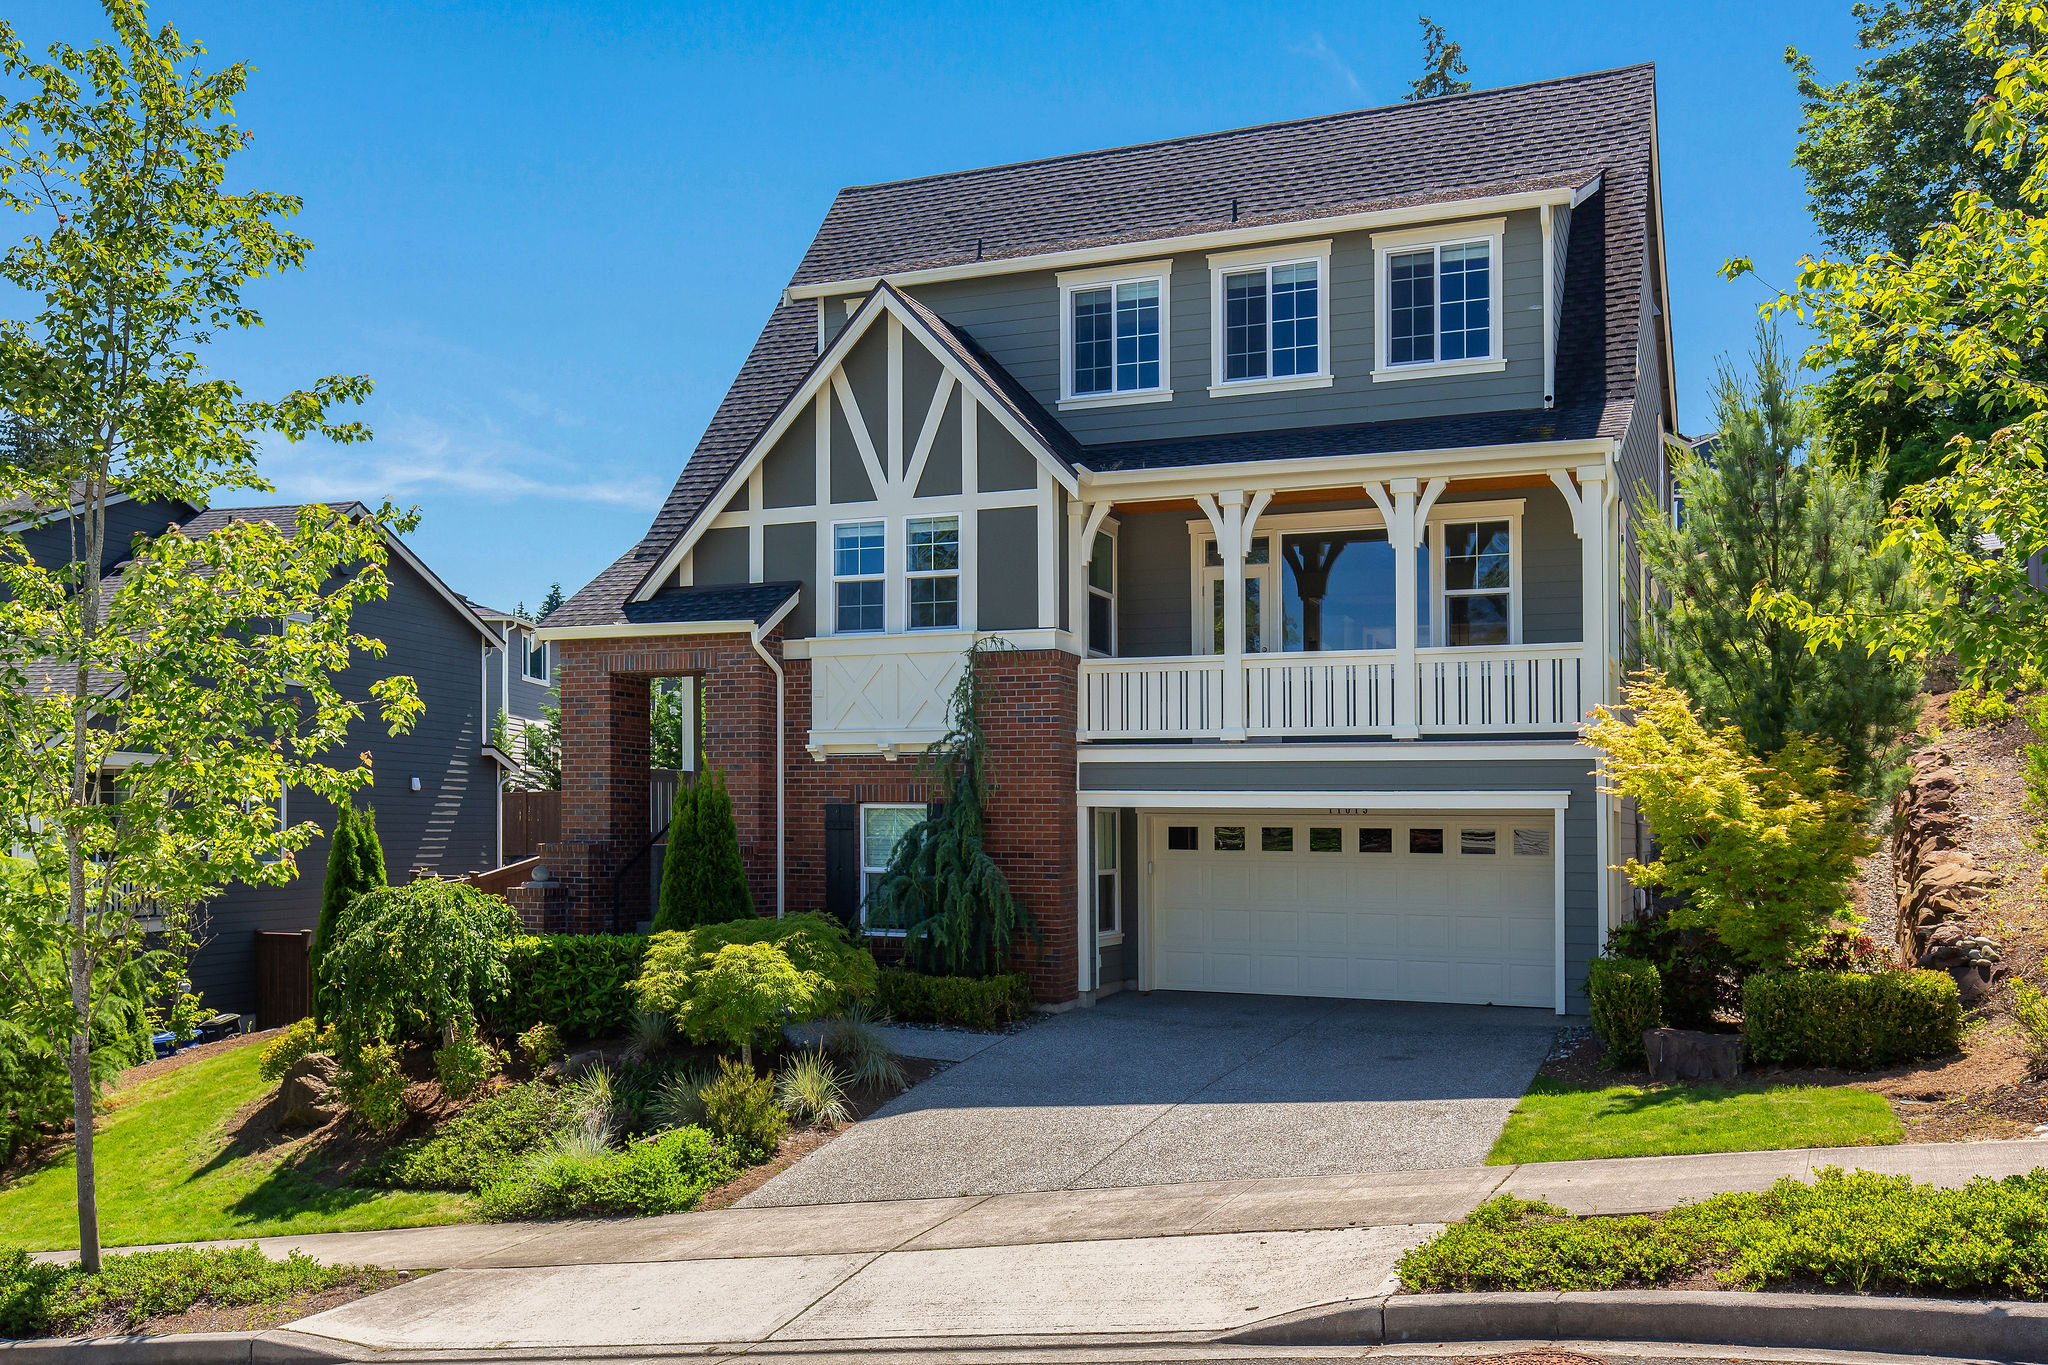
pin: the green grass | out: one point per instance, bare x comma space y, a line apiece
1559, 1122
169, 1172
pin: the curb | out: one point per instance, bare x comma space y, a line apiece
1927, 1327
191, 1348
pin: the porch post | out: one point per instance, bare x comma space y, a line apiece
1083, 521
1230, 548
1401, 536
1590, 518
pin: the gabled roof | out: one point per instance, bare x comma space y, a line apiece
1563, 134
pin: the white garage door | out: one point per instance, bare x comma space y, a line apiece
1456, 908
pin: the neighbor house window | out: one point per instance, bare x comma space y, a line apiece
881, 829
932, 568
1478, 583
1108, 899
536, 651
1269, 308
1102, 595
1439, 299
857, 576
1115, 323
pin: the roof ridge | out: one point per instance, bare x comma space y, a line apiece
1191, 138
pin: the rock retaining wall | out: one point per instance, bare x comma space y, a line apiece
1939, 882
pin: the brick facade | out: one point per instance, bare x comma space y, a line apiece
605, 821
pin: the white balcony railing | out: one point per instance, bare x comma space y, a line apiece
1488, 689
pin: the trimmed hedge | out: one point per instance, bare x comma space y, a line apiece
1626, 997
580, 983
970, 1002
1850, 1019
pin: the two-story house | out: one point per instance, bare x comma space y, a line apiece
1297, 464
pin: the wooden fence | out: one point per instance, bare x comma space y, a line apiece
531, 819
284, 978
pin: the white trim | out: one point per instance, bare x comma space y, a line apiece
1159, 273
529, 644
1225, 238
1331, 802
819, 646
911, 575
832, 627
1096, 872
1099, 523
861, 833
1339, 471
1225, 264
1565, 747
1386, 245
628, 631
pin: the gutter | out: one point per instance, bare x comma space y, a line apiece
755, 638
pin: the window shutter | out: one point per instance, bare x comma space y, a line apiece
842, 862
934, 809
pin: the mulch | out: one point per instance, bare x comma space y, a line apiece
801, 1142
254, 1317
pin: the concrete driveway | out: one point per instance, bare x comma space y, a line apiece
1171, 1087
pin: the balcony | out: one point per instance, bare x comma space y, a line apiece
1476, 690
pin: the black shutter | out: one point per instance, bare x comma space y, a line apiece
842, 863
934, 809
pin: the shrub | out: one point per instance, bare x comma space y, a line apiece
298, 1041
355, 864
1522, 1244
1850, 1019
857, 1042
970, 1002
1762, 851
582, 984
1626, 996
649, 1035
703, 880
477, 1145
1970, 707
744, 990
820, 971
678, 1098
540, 1045
590, 1105
1700, 977
464, 1065
415, 961
812, 1090
372, 1087
666, 1173
2030, 1008
38, 1300
740, 1108
35, 1083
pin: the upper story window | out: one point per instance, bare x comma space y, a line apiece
932, 568
1439, 292
1102, 594
1269, 312
1115, 325
536, 661
857, 585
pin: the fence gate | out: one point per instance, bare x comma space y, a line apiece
284, 978
531, 819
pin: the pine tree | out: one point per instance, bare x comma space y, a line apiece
723, 875
355, 864
1768, 510
1443, 62
679, 866
553, 600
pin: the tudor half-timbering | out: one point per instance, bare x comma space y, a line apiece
1297, 464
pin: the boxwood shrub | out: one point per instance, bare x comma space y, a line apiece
970, 1002
1625, 996
1850, 1019
580, 983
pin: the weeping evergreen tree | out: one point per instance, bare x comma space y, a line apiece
355, 864
941, 887
1767, 510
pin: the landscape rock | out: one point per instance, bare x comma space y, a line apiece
1939, 883
1683, 1054
309, 1094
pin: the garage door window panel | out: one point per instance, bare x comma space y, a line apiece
1422, 840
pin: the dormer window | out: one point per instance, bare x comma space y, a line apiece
1439, 300
1114, 325
1269, 314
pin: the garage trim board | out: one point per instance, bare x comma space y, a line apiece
1373, 976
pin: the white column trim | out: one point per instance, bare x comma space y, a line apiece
1557, 891
1230, 548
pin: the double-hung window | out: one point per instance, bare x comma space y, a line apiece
1109, 914
859, 591
1478, 583
932, 571
881, 829
1269, 308
1116, 327
1439, 292
1102, 595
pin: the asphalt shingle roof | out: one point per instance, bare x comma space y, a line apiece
1546, 135
754, 602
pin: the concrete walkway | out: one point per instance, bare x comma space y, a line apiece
1179, 1086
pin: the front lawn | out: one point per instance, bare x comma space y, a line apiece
171, 1171
1558, 1121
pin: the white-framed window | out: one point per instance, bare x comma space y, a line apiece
1269, 319
859, 591
1102, 594
535, 662
1115, 335
1109, 904
1439, 292
1479, 581
1209, 580
882, 827
932, 573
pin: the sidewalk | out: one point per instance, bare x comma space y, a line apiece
1164, 1259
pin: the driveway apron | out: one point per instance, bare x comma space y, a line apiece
1145, 1090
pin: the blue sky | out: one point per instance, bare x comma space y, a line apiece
549, 233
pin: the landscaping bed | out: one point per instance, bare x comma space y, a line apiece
1853, 1232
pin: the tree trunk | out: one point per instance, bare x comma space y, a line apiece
747, 1057
80, 1065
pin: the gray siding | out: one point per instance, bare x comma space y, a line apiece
1016, 319
1573, 775
1007, 569
789, 553
942, 473
1153, 596
526, 696
50, 544
789, 472
850, 481
1552, 565
720, 557
1001, 461
1641, 460
867, 374
449, 826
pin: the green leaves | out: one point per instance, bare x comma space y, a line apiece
416, 961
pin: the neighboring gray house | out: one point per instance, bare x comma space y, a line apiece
1297, 462
522, 681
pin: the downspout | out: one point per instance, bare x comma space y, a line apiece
760, 633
